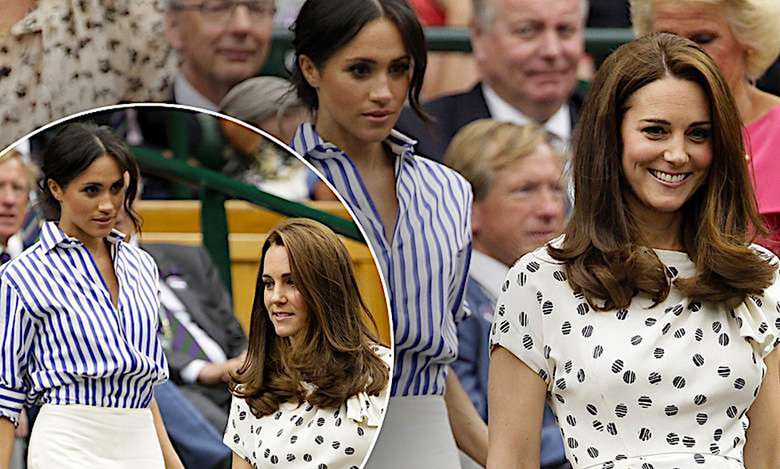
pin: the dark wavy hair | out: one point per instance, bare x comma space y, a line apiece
325, 26
72, 150
604, 252
336, 354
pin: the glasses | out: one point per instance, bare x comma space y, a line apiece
222, 10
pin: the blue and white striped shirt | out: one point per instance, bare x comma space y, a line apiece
425, 265
63, 341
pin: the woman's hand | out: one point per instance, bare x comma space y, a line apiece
515, 418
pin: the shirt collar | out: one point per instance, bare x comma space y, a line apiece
52, 236
185, 93
488, 272
14, 246
308, 142
558, 124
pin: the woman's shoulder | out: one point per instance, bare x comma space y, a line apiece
384, 353
540, 259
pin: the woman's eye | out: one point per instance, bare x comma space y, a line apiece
654, 131
91, 190
703, 38
268, 285
117, 187
359, 70
699, 134
399, 69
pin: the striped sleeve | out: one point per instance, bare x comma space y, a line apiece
15, 339
457, 292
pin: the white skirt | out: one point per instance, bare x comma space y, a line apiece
415, 434
79, 437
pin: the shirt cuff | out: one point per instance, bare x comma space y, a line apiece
189, 374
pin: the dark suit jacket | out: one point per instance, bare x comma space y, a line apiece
450, 114
207, 302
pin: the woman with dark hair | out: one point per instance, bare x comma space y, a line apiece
357, 62
78, 318
313, 388
650, 324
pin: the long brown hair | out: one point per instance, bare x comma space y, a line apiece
336, 354
603, 250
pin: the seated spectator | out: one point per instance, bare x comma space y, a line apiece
202, 338
267, 103
516, 177
58, 58
220, 43
527, 54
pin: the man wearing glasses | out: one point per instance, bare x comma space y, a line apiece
220, 43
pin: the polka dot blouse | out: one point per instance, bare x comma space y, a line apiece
661, 387
305, 436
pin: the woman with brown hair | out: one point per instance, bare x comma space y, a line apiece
650, 324
743, 38
313, 388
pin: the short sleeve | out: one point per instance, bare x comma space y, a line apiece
16, 330
368, 410
238, 427
518, 320
758, 316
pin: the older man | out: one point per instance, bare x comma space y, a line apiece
16, 179
220, 43
527, 52
516, 177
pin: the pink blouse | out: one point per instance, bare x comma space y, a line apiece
762, 140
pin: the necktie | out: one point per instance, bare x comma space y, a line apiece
178, 337
4, 257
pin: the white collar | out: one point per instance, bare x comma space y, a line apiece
14, 247
488, 272
185, 93
559, 124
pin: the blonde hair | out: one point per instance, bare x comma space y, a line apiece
485, 146
29, 168
754, 23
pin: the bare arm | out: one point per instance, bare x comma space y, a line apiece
172, 460
515, 417
6, 442
468, 427
762, 448
239, 463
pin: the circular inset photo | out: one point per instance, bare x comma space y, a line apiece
171, 296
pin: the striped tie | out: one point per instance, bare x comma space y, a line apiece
179, 338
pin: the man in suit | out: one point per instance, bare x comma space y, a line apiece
220, 43
527, 53
192, 297
516, 177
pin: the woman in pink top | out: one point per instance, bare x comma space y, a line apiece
744, 40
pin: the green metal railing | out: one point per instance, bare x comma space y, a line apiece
215, 188
598, 42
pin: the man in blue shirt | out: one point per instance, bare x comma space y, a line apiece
517, 179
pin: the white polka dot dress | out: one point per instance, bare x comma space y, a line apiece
305, 436
659, 388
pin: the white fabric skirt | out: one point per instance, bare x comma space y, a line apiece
80, 437
415, 434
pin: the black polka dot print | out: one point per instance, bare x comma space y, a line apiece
301, 436
665, 386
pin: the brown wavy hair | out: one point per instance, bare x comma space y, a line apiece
336, 354
604, 252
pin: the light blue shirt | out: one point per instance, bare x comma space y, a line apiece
424, 265
63, 341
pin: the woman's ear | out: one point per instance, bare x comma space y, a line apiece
55, 189
309, 70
